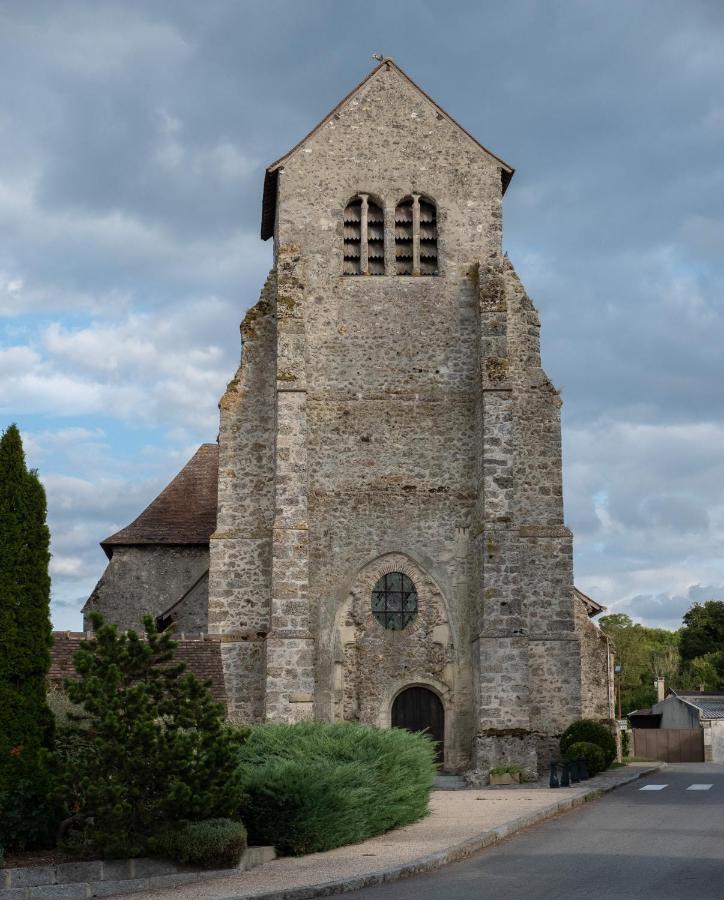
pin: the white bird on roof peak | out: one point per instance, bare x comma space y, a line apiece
378, 56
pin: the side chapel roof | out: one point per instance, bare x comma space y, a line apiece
269, 202
183, 513
593, 607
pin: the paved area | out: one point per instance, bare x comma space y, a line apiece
461, 822
657, 839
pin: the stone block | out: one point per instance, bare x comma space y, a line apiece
149, 868
13, 893
29, 876
59, 892
116, 870
124, 886
66, 873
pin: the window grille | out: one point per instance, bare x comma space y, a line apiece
364, 237
353, 237
394, 601
416, 237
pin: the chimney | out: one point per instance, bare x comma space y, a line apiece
660, 689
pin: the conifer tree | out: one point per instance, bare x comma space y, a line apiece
153, 748
25, 639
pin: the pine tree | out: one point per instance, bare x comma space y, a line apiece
153, 748
25, 640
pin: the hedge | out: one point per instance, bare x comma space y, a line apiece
318, 785
592, 732
212, 844
592, 753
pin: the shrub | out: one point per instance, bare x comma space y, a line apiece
592, 732
214, 844
27, 813
152, 748
507, 768
592, 753
317, 785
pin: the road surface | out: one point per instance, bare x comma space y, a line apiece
659, 838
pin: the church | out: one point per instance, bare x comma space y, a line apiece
378, 535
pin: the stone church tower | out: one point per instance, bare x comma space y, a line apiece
390, 545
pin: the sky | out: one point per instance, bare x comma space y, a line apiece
134, 141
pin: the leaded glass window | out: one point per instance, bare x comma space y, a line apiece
394, 601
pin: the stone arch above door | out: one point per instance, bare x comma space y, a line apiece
370, 659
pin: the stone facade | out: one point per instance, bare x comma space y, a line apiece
148, 580
394, 423
415, 428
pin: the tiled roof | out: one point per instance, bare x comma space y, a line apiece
185, 510
202, 657
711, 703
593, 607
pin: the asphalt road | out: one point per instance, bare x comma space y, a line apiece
662, 844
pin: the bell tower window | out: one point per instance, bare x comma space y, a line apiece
364, 237
416, 236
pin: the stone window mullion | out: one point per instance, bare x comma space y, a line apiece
415, 234
364, 247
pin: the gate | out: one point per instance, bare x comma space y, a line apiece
419, 709
669, 744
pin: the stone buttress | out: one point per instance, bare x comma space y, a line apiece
527, 654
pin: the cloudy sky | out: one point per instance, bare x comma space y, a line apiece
134, 141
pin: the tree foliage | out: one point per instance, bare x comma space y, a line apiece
644, 655
153, 748
25, 640
688, 659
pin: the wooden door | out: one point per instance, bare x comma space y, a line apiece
419, 709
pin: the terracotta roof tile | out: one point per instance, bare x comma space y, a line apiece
185, 510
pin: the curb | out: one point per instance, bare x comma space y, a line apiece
443, 857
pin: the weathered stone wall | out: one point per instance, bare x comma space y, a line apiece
241, 547
396, 417
527, 654
144, 580
596, 668
390, 376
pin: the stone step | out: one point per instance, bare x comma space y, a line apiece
449, 783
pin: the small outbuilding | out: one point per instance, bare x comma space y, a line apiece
699, 712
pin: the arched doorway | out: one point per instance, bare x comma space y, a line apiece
420, 709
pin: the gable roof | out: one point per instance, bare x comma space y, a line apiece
269, 201
709, 703
183, 513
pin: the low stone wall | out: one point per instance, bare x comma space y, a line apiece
101, 878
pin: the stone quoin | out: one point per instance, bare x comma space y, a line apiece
384, 510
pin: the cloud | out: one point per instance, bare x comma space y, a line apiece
131, 168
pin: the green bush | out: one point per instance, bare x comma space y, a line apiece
214, 844
507, 769
592, 753
317, 785
592, 732
152, 748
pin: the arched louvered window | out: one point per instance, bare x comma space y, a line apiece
364, 237
416, 236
